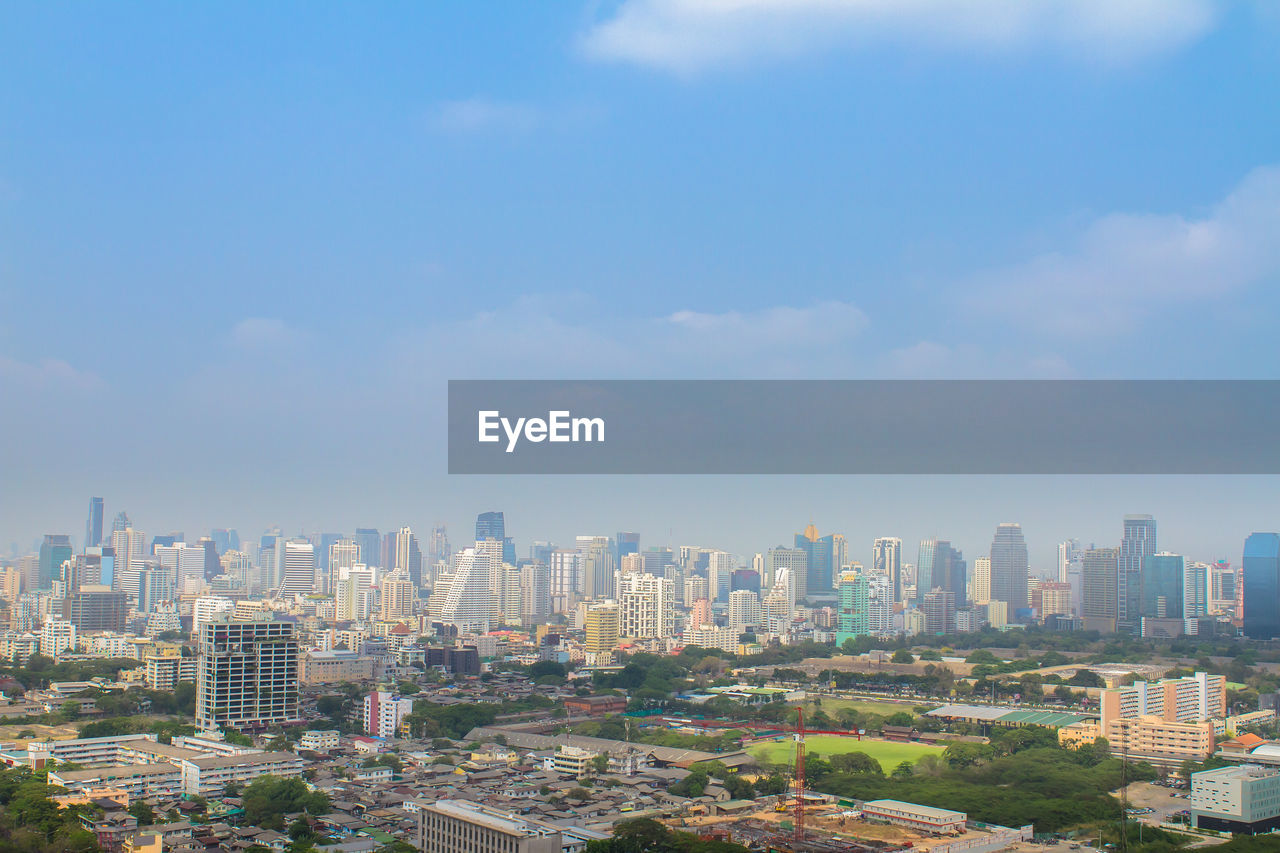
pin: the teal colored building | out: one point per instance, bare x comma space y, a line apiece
851, 612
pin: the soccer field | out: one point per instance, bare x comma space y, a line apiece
890, 755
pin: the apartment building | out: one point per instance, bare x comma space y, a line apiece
248, 674
461, 826
1184, 700
1241, 798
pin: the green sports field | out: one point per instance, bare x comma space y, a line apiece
890, 755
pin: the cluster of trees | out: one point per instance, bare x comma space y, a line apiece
30, 822
114, 726
702, 775
41, 670
645, 835
269, 798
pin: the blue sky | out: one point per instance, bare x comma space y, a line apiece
242, 247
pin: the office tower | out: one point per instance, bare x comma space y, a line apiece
237, 566
397, 596
93, 527
10, 583
981, 580
225, 539
820, 554
130, 549
1261, 585
1195, 594
354, 593
880, 603
343, 554
94, 609
1138, 543
748, 579
851, 613
1222, 587
720, 568
95, 566
463, 598
602, 624
54, 551
183, 562
939, 610
29, 571
796, 562
925, 579
1161, 589
155, 585
510, 594
777, 611
247, 675
384, 712
655, 560
370, 542
624, 544
540, 552
566, 580
439, 552
492, 525
648, 606
1098, 571
886, 561
1068, 553
406, 556
164, 540
1009, 567
744, 610
535, 590
299, 558
121, 522
596, 554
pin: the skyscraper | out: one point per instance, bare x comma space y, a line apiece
851, 613
623, 544
299, 569
886, 561
1098, 573
370, 542
941, 567
1138, 543
1262, 586
981, 580
93, 527
1162, 579
597, 566
463, 598
796, 562
1009, 567
821, 558
408, 557
247, 674
493, 525
54, 551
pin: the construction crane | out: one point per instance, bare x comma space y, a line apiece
799, 775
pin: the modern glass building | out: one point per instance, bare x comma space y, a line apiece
1009, 566
820, 551
1262, 586
1139, 542
1162, 586
851, 616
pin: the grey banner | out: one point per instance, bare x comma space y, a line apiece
864, 427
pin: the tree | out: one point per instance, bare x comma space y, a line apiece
600, 763
143, 812
269, 798
408, 688
902, 656
856, 762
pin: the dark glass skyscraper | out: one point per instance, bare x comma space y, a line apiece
1009, 567
492, 525
624, 544
1162, 586
1262, 586
93, 527
820, 551
1139, 542
370, 542
54, 551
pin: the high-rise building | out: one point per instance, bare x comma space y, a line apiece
408, 556
748, 579
1261, 568
370, 542
880, 603
1009, 567
981, 580
852, 616
1138, 543
343, 554
796, 562
225, 539
1099, 571
886, 561
397, 596
94, 609
93, 527
625, 543
463, 598
601, 624
535, 591
1055, 599
121, 522
648, 606
130, 549
939, 610
597, 566
566, 580
1071, 571
247, 674
155, 586
1162, 578
439, 553
206, 608
744, 610
493, 525
1195, 594
54, 551
299, 569
820, 553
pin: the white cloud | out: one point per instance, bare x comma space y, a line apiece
480, 114
262, 333
1125, 266
690, 35
46, 375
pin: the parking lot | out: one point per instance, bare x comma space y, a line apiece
1162, 801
